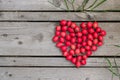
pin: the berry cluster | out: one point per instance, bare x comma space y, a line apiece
78, 42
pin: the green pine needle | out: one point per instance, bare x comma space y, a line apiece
66, 4
98, 4
117, 45
92, 4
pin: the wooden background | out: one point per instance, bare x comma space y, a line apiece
26, 49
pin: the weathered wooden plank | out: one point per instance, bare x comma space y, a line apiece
55, 74
45, 5
38, 61
35, 39
42, 16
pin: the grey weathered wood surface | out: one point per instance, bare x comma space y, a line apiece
48, 16
44, 5
36, 38
52, 62
26, 49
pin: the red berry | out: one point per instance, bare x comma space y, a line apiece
98, 29
90, 37
64, 28
70, 30
77, 29
84, 31
94, 48
84, 57
87, 48
63, 34
89, 42
59, 44
78, 45
73, 60
62, 39
69, 57
77, 51
67, 43
95, 34
68, 37
84, 38
83, 62
95, 24
79, 40
65, 53
58, 28
100, 38
69, 23
72, 34
63, 22
82, 50
91, 30
89, 53
79, 58
73, 40
57, 33
78, 64
73, 25
83, 25
95, 41
55, 38
64, 48
72, 52
100, 43
84, 43
89, 24
79, 34
73, 46
103, 33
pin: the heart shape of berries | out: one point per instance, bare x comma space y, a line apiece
77, 43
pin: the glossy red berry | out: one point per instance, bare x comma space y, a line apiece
78, 64
64, 48
77, 29
72, 34
69, 57
78, 45
103, 32
67, 43
95, 41
73, 40
69, 23
73, 60
73, 46
95, 34
73, 25
83, 25
84, 38
87, 48
72, 52
62, 39
57, 33
79, 58
77, 51
63, 22
100, 38
95, 25
100, 43
68, 37
59, 44
58, 28
89, 42
98, 29
84, 31
84, 57
55, 38
89, 53
64, 28
82, 50
70, 30
65, 53
89, 24
79, 34
94, 48
79, 40
91, 30
90, 36
83, 62
84, 43
63, 34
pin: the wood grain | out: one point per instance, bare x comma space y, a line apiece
26, 38
45, 5
55, 74
52, 62
53, 16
